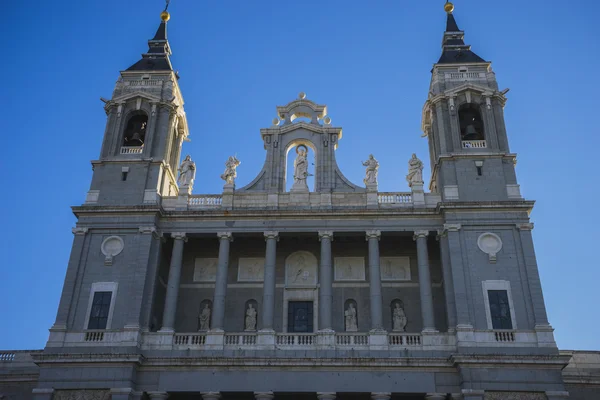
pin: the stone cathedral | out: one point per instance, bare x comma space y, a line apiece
302, 284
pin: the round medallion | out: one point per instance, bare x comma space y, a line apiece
489, 243
112, 246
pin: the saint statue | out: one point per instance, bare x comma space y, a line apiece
399, 319
250, 321
301, 168
204, 318
372, 169
187, 172
230, 170
415, 171
351, 322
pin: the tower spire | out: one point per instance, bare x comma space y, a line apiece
157, 57
454, 49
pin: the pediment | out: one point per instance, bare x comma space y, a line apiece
134, 95
471, 87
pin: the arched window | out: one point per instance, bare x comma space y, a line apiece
135, 132
471, 124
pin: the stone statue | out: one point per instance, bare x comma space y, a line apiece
415, 171
250, 322
372, 169
187, 172
399, 318
230, 170
351, 322
204, 318
301, 168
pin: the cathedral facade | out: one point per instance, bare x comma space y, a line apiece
279, 290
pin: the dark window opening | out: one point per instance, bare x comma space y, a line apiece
99, 312
124, 175
135, 133
300, 316
471, 124
500, 309
479, 171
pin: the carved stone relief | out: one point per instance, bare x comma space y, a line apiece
514, 396
251, 269
111, 247
349, 268
395, 268
301, 269
205, 269
491, 244
81, 395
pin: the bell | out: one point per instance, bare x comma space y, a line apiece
471, 133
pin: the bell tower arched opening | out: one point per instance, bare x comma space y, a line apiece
135, 130
471, 123
300, 166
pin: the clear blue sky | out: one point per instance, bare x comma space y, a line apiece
369, 62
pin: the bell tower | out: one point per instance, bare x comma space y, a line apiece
146, 125
463, 119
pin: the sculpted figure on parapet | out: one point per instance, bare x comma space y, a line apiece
204, 318
250, 321
230, 170
372, 170
351, 322
399, 319
187, 172
415, 171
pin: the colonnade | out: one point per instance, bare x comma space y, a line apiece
319, 396
325, 280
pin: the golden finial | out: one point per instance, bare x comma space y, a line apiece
448, 7
165, 16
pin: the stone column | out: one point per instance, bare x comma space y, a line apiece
264, 395
381, 396
425, 281
170, 309
326, 395
448, 284
268, 306
210, 395
218, 312
375, 281
326, 282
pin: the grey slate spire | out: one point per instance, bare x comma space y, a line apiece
454, 49
157, 57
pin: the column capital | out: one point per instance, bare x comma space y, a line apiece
326, 395
420, 234
79, 231
210, 395
525, 227
440, 234
150, 230
264, 395
373, 234
158, 395
326, 234
381, 396
179, 236
225, 235
271, 235
452, 227
435, 396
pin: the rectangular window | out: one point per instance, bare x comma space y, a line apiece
500, 309
100, 310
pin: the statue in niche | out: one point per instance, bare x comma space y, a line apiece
250, 321
301, 271
372, 170
415, 171
187, 172
230, 170
350, 316
301, 168
398, 319
204, 318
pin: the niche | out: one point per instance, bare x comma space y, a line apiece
350, 316
204, 315
399, 320
301, 167
135, 132
250, 315
471, 124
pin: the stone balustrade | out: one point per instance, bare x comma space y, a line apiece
474, 144
464, 76
132, 149
205, 201
395, 198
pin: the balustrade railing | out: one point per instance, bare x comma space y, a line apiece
399, 339
240, 339
474, 144
504, 336
132, 149
351, 339
187, 339
464, 76
144, 82
295, 339
211, 200
7, 356
94, 336
394, 198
